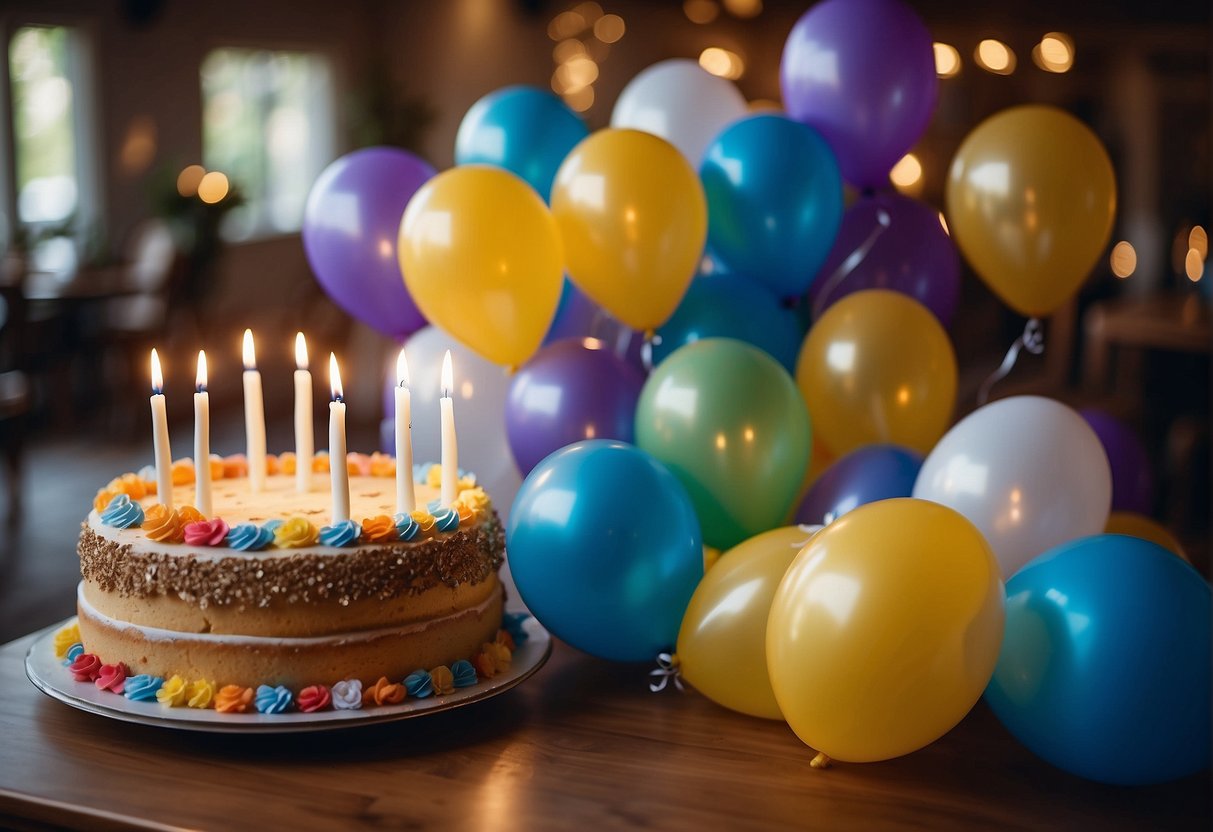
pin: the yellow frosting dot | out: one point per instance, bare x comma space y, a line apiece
296, 532
172, 693
200, 693
287, 463
65, 638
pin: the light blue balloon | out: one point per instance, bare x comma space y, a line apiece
730, 306
605, 549
1105, 662
774, 197
526, 130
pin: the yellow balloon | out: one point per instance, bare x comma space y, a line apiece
634, 221
1138, 525
482, 258
722, 642
1031, 196
878, 367
885, 630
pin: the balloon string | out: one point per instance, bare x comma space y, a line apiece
1032, 340
852, 261
666, 670
651, 339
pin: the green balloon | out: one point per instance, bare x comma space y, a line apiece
730, 423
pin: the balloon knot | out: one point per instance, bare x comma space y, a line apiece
820, 761
666, 670
1031, 339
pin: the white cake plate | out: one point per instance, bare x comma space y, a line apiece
52, 677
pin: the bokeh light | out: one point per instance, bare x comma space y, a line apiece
947, 60
701, 11
188, 179
722, 62
213, 187
995, 56
1123, 259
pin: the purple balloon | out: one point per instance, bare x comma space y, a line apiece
868, 474
1132, 480
569, 391
889, 241
350, 225
862, 72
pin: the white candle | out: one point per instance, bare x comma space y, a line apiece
202, 441
339, 473
164, 455
406, 498
450, 448
254, 416
303, 417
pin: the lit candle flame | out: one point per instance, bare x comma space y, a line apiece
250, 357
200, 380
300, 352
448, 378
157, 376
335, 378
402, 370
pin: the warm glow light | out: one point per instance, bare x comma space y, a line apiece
944, 223
1198, 239
1123, 259
566, 25
575, 74
721, 441
448, 376
300, 351
248, 353
188, 179
402, 370
139, 145
700, 11
722, 62
200, 378
1194, 265
609, 28
764, 105
335, 379
212, 187
743, 8
995, 56
157, 376
907, 172
947, 60
567, 49
580, 100
1054, 53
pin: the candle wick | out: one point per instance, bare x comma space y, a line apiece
157, 391
199, 388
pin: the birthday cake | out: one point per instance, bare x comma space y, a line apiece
261, 607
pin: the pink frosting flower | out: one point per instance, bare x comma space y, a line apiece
112, 677
313, 698
206, 532
86, 667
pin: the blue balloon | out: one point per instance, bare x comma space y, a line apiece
865, 475
605, 549
729, 306
526, 130
774, 197
1105, 663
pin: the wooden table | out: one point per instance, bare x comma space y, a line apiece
1174, 322
583, 744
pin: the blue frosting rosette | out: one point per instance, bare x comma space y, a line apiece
122, 513
270, 700
464, 674
406, 527
419, 684
345, 533
142, 688
249, 537
73, 652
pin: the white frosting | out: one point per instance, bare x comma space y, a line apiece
159, 634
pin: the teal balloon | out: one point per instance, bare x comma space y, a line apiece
605, 549
1105, 662
774, 196
729, 306
526, 130
728, 420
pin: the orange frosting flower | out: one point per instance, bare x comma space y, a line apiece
163, 524
503, 637
129, 484
287, 463
271, 464
189, 514
234, 466
378, 529
233, 699
103, 499
183, 471
359, 465
383, 692
320, 464
382, 465
492, 659
443, 679
149, 487
216, 467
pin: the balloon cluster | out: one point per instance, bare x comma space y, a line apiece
650, 285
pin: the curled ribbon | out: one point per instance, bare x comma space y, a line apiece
666, 670
1032, 340
852, 261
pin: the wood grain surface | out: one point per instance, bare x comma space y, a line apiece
583, 745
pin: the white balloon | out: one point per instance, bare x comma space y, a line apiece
1027, 471
682, 103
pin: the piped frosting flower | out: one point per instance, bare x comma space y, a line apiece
492, 659
200, 693
474, 498
132, 485
148, 474
189, 514
419, 684
122, 513
205, 532
216, 467
249, 537
379, 529
102, 499
443, 680
345, 533
233, 699
503, 637
406, 527
314, 698
85, 667
271, 464
182, 471
295, 533
162, 524
446, 519
347, 695
142, 688
424, 520
65, 638
234, 466
512, 623
382, 465
172, 693
287, 463
320, 462
463, 674
431, 475
73, 653
383, 692
112, 677
272, 700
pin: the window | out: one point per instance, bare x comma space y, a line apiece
267, 125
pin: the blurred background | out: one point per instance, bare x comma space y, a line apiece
156, 155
